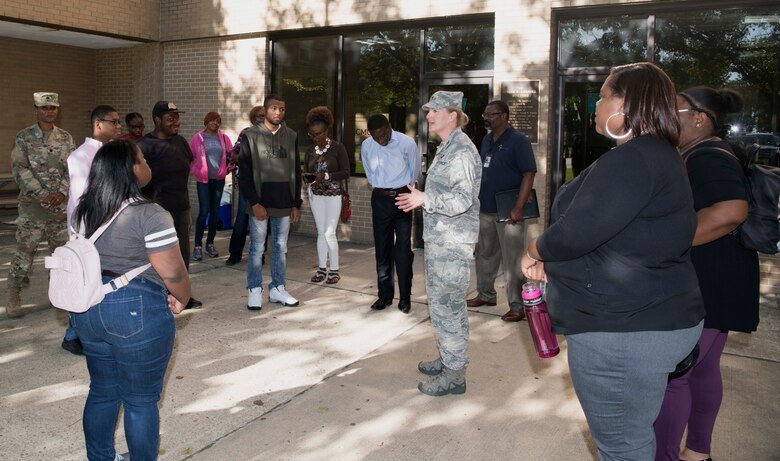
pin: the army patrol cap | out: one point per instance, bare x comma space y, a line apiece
163, 107
44, 98
445, 100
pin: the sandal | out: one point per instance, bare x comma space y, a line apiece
319, 276
333, 277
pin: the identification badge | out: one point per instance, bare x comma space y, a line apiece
487, 162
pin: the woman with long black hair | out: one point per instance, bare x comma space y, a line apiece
128, 337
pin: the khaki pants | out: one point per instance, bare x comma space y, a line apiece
500, 243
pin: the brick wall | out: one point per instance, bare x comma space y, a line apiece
359, 228
33, 66
130, 80
225, 76
132, 18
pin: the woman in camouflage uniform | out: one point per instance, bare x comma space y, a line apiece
450, 206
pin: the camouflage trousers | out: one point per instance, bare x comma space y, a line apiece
34, 224
447, 277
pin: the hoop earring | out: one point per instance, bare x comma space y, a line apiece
613, 135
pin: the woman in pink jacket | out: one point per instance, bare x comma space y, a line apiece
211, 148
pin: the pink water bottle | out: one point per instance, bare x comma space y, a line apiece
539, 321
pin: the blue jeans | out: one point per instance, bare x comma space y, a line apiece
280, 228
209, 196
128, 341
70, 332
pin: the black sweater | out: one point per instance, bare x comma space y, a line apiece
617, 253
169, 159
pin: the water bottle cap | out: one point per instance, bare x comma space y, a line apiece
531, 291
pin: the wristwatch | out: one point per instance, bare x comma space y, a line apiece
327, 176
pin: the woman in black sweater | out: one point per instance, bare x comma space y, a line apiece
617, 257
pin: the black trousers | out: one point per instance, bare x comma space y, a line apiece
393, 246
240, 229
182, 221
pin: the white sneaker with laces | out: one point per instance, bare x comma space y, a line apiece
255, 299
280, 295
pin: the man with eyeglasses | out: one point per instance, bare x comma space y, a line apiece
391, 161
106, 126
39, 165
507, 163
169, 157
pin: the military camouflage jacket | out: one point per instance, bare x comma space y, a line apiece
39, 166
451, 210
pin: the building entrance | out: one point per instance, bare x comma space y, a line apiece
476, 94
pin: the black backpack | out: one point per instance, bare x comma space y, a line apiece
761, 229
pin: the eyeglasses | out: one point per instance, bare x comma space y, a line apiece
491, 114
316, 135
113, 122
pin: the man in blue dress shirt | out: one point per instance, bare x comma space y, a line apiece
391, 161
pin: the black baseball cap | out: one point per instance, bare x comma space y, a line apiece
162, 107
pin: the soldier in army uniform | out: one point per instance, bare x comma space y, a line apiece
450, 206
39, 165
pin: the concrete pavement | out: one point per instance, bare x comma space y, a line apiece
332, 379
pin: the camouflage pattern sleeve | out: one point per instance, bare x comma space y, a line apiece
20, 166
41, 167
451, 192
451, 210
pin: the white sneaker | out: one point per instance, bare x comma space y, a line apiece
255, 299
280, 295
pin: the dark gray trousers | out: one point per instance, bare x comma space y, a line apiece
620, 379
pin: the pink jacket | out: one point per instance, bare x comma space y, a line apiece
200, 167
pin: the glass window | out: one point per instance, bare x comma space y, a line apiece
305, 76
459, 48
602, 42
380, 72
381, 75
737, 48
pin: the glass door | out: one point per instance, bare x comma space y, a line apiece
476, 94
580, 144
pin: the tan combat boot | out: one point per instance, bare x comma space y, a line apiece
14, 308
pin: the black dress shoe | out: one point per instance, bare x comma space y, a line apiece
232, 260
73, 346
404, 306
193, 304
513, 316
477, 301
381, 303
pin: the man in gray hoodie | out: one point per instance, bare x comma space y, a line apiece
271, 182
